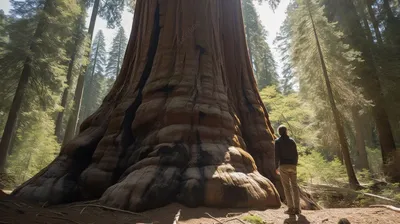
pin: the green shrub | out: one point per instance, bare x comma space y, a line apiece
36, 147
314, 169
375, 161
253, 219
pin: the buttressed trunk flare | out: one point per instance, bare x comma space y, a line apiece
183, 122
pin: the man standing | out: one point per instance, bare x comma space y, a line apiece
286, 158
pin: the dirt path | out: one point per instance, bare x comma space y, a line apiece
13, 211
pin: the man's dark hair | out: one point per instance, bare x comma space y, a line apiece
282, 130
344, 221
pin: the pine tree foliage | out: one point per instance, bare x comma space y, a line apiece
260, 53
3, 32
324, 66
75, 50
116, 54
282, 41
353, 22
33, 149
37, 33
95, 77
386, 53
48, 50
110, 10
305, 59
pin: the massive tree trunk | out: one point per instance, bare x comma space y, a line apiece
336, 115
183, 122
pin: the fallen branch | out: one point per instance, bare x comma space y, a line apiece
233, 214
226, 221
83, 209
57, 213
213, 218
390, 207
351, 192
111, 209
381, 198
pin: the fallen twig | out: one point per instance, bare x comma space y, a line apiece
176, 219
76, 203
111, 209
234, 219
390, 207
16, 204
57, 213
83, 209
233, 214
44, 204
213, 218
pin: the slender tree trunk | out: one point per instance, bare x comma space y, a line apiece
73, 118
88, 109
20, 92
366, 24
13, 139
393, 30
386, 139
370, 82
339, 126
362, 160
119, 57
64, 100
375, 23
388, 10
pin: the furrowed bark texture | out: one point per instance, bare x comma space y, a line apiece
183, 122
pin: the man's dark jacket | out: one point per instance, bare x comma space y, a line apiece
285, 151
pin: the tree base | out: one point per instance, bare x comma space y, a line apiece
147, 185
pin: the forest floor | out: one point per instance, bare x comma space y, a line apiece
16, 211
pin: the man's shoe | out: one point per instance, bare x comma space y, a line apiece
290, 211
297, 211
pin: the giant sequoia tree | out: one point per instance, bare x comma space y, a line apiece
183, 121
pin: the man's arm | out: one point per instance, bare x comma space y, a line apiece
277, 156
297, 153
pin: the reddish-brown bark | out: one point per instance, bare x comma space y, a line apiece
183, 122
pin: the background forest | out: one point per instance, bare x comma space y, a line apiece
335, 83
